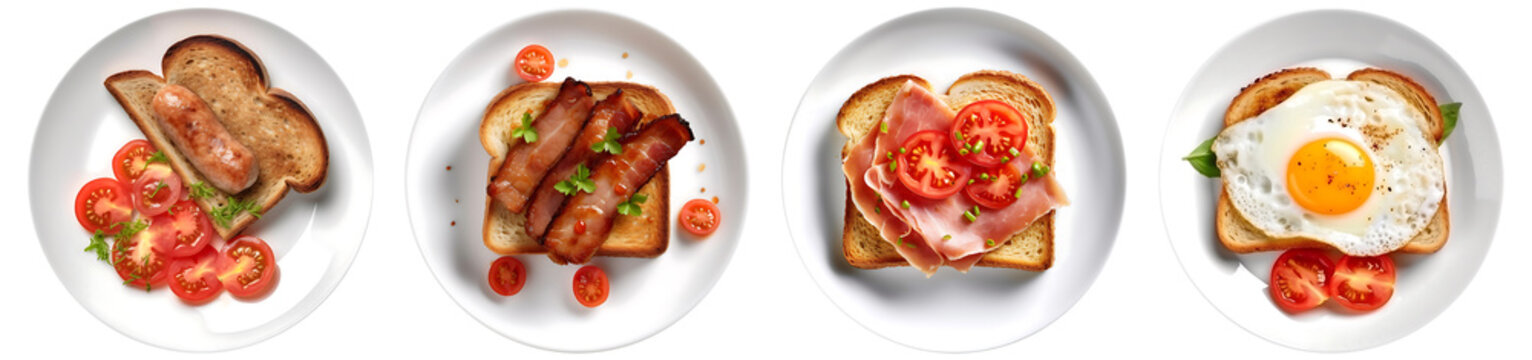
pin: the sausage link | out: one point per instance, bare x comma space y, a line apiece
196, 132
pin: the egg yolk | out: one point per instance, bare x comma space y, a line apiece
1330, 176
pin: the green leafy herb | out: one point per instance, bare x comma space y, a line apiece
157, 187
156, 157
1450, 119
98, 245
631, 207
130, 228
579, 181
224, 215
525, 131
201, 190
608, 143
1203, 159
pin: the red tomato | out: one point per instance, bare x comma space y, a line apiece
1299, 279
131, 160
929, 166
156, 190
250, 267
995, 188
507, 276
195, 279
137, 260
102, 204
995, 129
534, 63
184, 230
1363, 283
590, 286
700, 217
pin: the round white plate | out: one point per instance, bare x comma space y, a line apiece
647, 295
1337, 42
985, 308
315, 235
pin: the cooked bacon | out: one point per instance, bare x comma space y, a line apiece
586, 217
614, 112
526, 163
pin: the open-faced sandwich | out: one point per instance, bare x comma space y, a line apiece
1317, 166
960, 179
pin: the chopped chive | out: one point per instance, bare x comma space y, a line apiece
958, 136
901, 149
962, 151
970, 217
893, 166
946, 237
970, 181
990, 242
883, 127
905, 204
984, 176
976, 211
1038, 169
890, 155
1005, 159
1014, 152
978, 146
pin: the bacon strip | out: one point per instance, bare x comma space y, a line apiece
585, 219
526, 163
614, 112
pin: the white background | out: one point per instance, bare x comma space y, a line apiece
763, 55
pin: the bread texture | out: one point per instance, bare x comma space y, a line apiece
289, 147
1240, 236
1030, 249
646, 235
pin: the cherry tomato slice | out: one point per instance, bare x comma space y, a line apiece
1363, 283
131, 160
993, 128
995, 188
184, 230
929, 166
590, 286
156, 190
507, 276
137, 261
700, 217
1299, 279
102, 205
534, 63
250, 267
194, 279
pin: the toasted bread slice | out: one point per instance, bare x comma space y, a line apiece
1030, 249
1240, 236
646, 235
288, 145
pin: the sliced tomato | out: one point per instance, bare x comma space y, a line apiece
194, 279
250, 267
156, 190
590, 286
929, 166
184, 230
131, 160
700, 217
1299, 279
534, 63
103, 204
1363, 283
507, 276
995, 188
137, 261
989, 132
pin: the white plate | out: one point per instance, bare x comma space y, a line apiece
315, 235
1338, 42
647, 295
986, 308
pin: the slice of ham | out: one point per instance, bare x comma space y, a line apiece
614, 112
935, 232
526, 164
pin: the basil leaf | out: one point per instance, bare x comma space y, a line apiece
1450, 120
1203, 159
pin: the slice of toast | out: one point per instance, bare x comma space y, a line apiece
646, 235
1030, 249
289, 147
1240, 236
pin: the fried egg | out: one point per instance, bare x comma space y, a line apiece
1346, 163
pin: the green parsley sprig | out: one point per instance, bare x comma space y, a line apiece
525, 131
579, 181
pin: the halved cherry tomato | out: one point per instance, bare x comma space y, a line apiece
102, 205
700, 217
1299, 279
1363, 283
184, 230
995, 188
534, 63
993, 128
507, 276
131, 160
250, 269
590, 286
194, 279
137, 261
929, 166
156, 190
